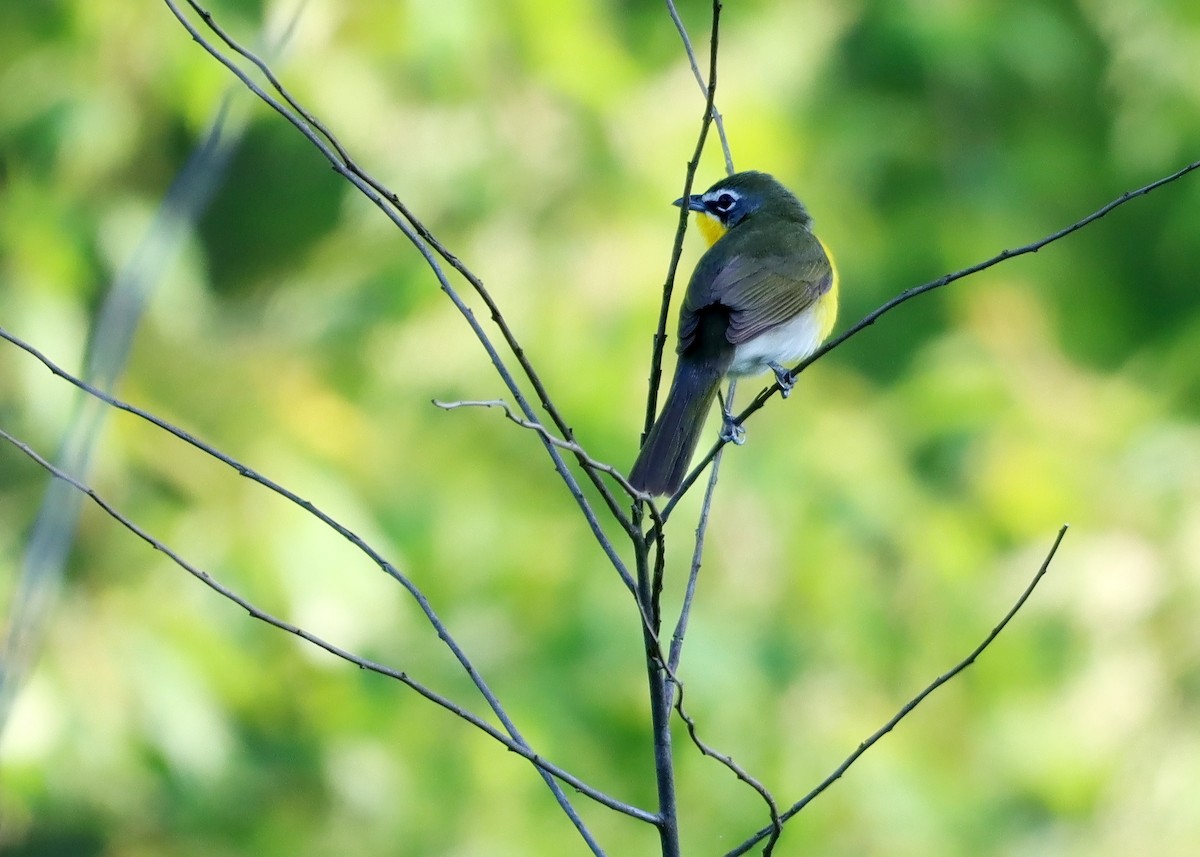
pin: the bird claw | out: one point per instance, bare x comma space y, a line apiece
783, 378
731, 432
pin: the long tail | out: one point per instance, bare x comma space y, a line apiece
662, 464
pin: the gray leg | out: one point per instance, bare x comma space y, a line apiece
783, 377
731, 432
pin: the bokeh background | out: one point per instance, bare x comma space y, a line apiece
872, 530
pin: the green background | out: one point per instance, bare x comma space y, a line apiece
873, 529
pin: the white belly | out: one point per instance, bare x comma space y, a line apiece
786, 344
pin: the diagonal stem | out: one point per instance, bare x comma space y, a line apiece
428, 254
514, 744
344, 159
912, 703
346, 533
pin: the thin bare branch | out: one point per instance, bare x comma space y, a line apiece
691, 55
660, 335
689, 594
776, 826
346, 533
339, 164
649, 581
571, 446
914, 702
426, 235
656, 666
660, 720
672, 664
583, 456
516, 745
907, 295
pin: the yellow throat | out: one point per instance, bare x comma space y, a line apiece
711, 228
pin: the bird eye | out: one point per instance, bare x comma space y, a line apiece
724, 202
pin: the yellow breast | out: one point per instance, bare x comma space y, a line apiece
827, 306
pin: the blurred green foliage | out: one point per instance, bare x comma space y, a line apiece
875, 526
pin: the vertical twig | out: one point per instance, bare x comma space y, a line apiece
689, 594
660, 335
691, 55
660, 724
656, 671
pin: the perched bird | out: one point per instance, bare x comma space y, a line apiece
764, 294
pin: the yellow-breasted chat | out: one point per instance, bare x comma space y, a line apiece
764, 294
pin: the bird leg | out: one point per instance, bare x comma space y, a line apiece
731, 432
782, 377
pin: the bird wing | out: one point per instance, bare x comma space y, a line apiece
760, 287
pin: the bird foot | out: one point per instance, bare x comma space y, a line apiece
782, 377
731, 432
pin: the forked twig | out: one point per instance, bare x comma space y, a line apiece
571, 446
584, 458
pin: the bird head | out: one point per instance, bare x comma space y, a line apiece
739, 198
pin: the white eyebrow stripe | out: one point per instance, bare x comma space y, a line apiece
716, 194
